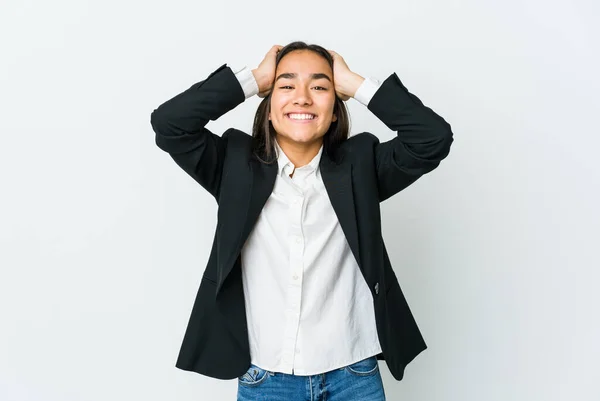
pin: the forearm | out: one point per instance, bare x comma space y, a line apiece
422, 134
188, 112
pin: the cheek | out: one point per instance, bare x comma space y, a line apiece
274, 108
329, 106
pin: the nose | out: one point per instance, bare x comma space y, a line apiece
302, 96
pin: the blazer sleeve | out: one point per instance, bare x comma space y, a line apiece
179, 124
423, 138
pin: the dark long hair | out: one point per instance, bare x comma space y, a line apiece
263, 132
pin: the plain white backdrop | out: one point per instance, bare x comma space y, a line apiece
103, 239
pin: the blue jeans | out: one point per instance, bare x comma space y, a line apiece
358, 381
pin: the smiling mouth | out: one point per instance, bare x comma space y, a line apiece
301, 116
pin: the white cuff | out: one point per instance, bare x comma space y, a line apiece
247, 82
366, 90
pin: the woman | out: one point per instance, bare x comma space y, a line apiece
298, 299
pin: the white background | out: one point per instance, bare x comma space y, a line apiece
103, 239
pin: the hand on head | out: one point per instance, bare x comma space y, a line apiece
345, 81
265, 72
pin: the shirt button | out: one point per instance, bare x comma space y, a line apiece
298, 240
295, 277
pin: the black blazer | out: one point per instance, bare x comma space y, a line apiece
367, 172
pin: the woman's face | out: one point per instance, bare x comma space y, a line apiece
303, 98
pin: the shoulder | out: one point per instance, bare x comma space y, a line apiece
362, 139
238, 147
237, 140
359, 145
236, 135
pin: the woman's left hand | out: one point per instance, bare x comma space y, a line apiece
345, 81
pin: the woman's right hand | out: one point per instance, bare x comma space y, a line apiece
265, 72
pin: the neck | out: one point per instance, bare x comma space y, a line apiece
300, 154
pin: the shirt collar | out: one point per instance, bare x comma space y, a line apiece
283, 161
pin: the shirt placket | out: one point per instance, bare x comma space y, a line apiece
295, 199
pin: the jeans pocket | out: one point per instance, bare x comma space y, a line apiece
366, 367
253, 377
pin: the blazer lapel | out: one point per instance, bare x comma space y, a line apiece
338, 182
245, 213
263, 177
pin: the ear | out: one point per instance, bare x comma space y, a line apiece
269, 116
333, 118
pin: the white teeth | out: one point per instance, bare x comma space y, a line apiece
301, 116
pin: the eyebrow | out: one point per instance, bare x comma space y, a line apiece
313, 76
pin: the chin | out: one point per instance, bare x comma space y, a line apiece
303, 139
299, 137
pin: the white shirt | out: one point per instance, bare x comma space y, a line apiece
308, 307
